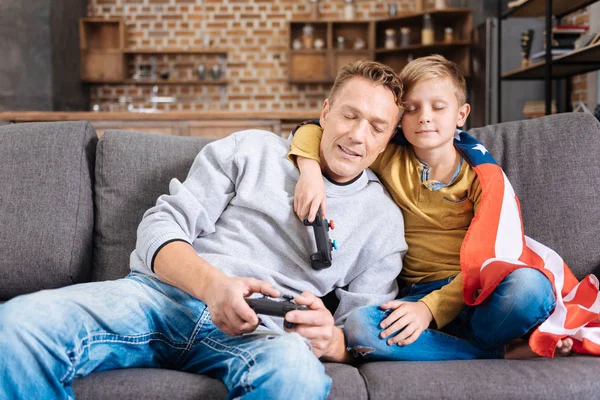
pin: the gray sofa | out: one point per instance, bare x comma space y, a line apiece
70, 205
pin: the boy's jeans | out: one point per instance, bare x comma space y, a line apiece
49, 338
523, 300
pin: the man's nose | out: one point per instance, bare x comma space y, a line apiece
359, 131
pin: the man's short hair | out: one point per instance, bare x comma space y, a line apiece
434, 67
373, 71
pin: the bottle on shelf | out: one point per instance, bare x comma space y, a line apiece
404, 36
314, 9
419, 5
390, 39
427, 36
448, 35
307, 36
349, 10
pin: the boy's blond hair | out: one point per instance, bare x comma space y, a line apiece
434, 67
373, 71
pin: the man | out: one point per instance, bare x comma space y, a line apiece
227, 232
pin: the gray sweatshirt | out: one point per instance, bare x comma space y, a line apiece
236, 209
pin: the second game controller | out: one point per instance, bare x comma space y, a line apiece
277, 308
322, 258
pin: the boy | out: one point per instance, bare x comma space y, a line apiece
439, 193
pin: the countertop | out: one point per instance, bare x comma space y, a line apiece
25, 116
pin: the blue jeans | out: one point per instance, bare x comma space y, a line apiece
523, 300
49, 338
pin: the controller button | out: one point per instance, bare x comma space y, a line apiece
331, 225
334, 244
288, 297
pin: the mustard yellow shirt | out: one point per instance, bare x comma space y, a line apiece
435, 221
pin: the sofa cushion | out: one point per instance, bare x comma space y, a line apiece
46, 205
553, 165
541, 378
148, 384
132, 171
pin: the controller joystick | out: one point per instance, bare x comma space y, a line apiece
322, 258
278, 308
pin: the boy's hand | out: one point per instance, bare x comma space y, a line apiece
316, 324
410, 317
310, 190
227, 305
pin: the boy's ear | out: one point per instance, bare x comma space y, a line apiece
463, 113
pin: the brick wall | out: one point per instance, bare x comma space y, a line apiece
579, 83
256, 33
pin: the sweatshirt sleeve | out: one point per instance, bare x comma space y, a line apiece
446, 303
192, 207
306, 143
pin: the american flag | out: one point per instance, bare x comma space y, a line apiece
496, 245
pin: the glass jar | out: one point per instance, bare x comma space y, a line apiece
448, 35
307, 36
427, 36
404, 36
390, 39
349, 10
341, 42
314, 9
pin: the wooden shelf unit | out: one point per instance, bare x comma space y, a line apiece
104, 58
579, 61
537, 8
321, 66
459, 50
101, 43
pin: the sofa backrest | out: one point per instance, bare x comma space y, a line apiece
552, 163
132, 170
46, 205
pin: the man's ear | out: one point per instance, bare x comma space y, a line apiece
324, 111
463, 113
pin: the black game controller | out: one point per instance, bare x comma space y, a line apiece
268, 306
322, 258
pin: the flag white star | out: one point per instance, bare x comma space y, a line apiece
481, 148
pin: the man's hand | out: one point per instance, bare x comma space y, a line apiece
317, 325
410, 317
228, 308
310, 190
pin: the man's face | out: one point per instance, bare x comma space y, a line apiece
356, 128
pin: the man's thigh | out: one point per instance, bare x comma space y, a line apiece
245, 363
131, 322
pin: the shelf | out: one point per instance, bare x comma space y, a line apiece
308, 51
424, 47
412, 17
576, 62
166, 50
175, 82
537, 8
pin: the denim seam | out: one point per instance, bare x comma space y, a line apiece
199, 325
247, 357
97, 338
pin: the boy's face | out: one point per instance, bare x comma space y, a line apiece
432, 114
356, 128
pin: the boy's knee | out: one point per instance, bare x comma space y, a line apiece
362, 330
529, 287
